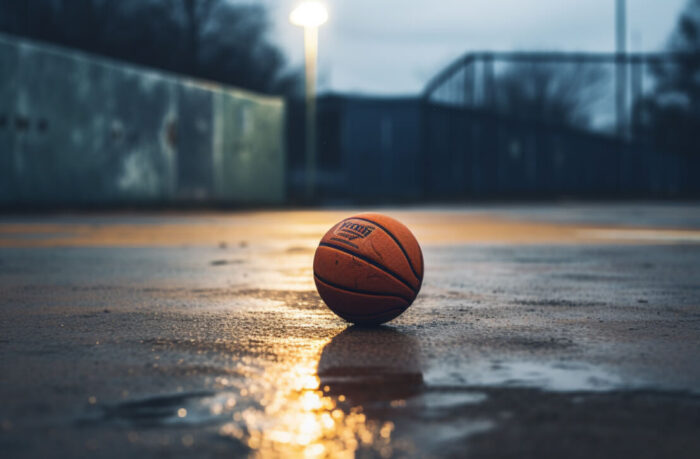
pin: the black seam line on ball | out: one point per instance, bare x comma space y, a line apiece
362, 292
371, 262
391, 235
337, 239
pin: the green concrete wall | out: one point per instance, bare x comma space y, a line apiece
80, 130
245, 140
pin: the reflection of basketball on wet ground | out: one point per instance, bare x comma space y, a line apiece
377, 364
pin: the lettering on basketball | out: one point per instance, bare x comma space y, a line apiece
352, 231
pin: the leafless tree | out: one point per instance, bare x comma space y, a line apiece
559, 93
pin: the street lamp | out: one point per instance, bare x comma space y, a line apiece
310, 15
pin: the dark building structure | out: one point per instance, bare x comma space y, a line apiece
369, 149
509, 125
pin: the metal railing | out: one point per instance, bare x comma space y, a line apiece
601, 91
549, 124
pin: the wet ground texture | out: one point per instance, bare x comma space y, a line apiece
540, 331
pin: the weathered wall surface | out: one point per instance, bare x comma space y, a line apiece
248, 136
76, 129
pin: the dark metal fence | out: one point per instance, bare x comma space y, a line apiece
469, 153
547, 124
597, 91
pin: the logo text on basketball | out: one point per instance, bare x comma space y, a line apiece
354, 231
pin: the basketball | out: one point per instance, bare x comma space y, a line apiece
368, 268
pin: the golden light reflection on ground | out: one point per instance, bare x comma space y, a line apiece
294, 417
304, 228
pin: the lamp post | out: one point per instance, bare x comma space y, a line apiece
621, 67
310, 15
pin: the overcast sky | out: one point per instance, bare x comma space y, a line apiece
395, 46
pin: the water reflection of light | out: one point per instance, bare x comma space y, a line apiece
291, 415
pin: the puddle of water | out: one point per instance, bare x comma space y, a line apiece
319, 398
452, 433
275, 407
558, 376
188, 408
441, 400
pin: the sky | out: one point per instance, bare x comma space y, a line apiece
393, 47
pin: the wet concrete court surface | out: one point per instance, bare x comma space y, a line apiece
540, 331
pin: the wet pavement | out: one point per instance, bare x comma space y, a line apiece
540, 331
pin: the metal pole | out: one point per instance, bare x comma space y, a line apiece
489, 83
621, 67
310, 52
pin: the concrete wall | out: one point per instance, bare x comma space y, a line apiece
248, 136
81, 130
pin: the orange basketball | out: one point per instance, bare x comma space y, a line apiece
368, 268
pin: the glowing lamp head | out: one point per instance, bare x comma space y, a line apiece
309, 14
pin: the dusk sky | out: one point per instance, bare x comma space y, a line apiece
395, 46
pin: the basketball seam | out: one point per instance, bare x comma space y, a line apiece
362, 292
396, 240
371, 262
